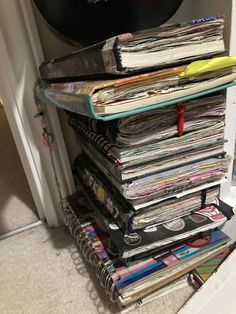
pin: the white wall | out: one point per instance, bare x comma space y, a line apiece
52, 47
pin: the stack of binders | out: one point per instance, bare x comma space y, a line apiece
152, 156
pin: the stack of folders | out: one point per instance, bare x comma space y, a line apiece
139, 279
152, 156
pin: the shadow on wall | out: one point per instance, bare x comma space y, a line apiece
17, 207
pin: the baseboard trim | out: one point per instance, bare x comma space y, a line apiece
20, 230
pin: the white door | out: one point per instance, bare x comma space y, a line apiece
21, 55
17, 208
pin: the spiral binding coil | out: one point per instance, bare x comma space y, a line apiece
74, 225
103, 269
101, 143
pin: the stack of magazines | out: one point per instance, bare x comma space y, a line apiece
152, 156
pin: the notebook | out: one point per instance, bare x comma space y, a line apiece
176, 285
158, 236
127, 282
159, 124
128, 53
160, 186
139, 167
131, 218
160, 136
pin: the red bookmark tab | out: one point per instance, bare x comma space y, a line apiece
181, 108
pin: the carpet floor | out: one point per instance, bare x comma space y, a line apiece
41, 272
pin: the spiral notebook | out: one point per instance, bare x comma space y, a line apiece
130, 244
176, 285
111, 203
151, 142
158, 186
127, 282
143, 192
155, 125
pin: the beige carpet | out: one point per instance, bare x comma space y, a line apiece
17, 207
41, 273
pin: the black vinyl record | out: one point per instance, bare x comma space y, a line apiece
94, 20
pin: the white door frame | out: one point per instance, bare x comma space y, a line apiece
20, 56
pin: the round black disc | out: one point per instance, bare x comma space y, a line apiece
94, 20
